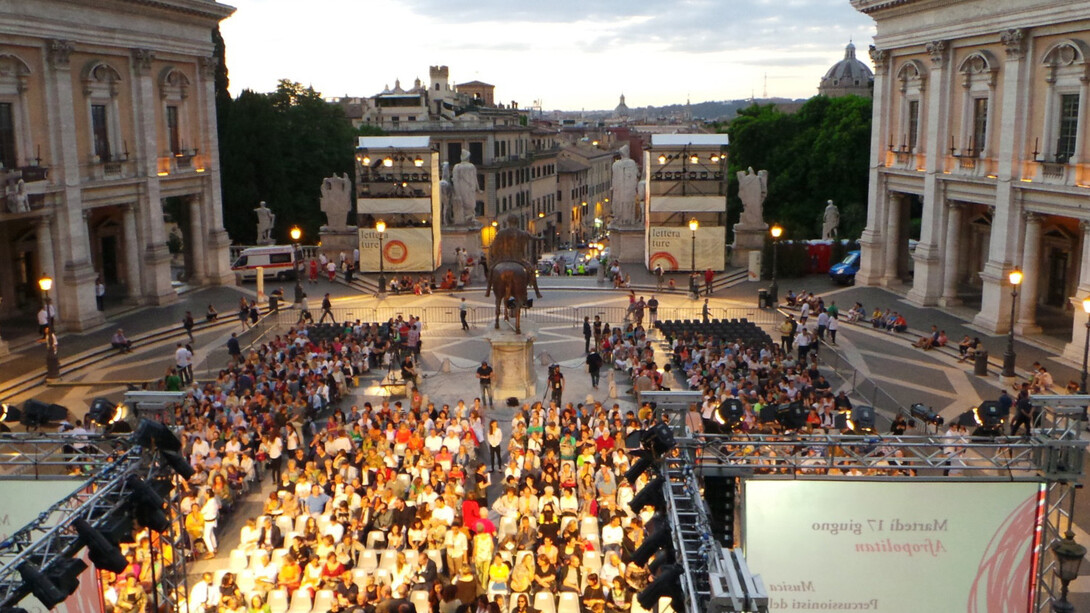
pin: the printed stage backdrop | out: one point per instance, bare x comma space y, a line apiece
892, 547
672, 247
405, 249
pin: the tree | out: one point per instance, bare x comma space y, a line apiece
820, 153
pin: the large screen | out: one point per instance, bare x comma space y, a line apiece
892, 546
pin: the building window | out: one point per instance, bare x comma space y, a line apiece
1068, 128
100, 131
173, 131
979, 138
8, 158
913, 123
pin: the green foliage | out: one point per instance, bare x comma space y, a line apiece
820, 153
369, 130
278, 147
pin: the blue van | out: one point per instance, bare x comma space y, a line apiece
844, 272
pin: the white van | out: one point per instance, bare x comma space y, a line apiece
276, 261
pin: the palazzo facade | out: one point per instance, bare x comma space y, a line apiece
107, 113
979, 158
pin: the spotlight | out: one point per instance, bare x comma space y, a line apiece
151, 432
655, 541
925, 413
104, 554
366, 161
639, 466
863, 418
418, 162
37, 413
102, 411
729, 414
662, 158
694, 158
650, 495
792, 416
178, 463
665, 584
387, 162
9, 413
663, 558
147, 506
56, 585
659, 439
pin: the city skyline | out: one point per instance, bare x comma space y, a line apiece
570, 55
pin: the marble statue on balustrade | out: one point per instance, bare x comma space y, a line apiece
466, 193
265, 221
830, 222
446, 195
336, 202
18, 201
752, 191
626, 177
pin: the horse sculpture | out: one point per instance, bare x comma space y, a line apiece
509, 281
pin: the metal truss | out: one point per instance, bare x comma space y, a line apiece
56, 456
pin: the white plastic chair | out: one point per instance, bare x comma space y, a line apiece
419, 598
300, 602
411, 556
592, 561
239, 561
285, 524
569, 603
374, 539
246, 581
359, 576
301, 523
217, 578
544, 603
637, 607
277, 557
336, 531
278, 601
508, 526
323, 601
436, 556
368, 561
388, 560
588, 526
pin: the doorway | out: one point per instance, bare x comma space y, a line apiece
108, 246
1057, 278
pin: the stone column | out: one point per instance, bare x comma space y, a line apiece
872, 240
44, 236
951, 255
1026, 322
197, 240
1073, 350
132, 253
217, 244
893, 237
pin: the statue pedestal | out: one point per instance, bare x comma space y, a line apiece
464, 237
747, 238
512, 362
628, 244
337, 240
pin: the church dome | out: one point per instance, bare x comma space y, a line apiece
622, 109
848, 76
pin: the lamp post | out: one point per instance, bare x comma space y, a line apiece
296, 233
52, 364
1069, 555
1015, 277
380, 227
774, 289
1086, 343
693, 226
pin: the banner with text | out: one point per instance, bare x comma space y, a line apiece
892, 547
672, 247
405, 250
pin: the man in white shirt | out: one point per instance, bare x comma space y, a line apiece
442, 512
613, 536
205, 595
211, 512
183, 358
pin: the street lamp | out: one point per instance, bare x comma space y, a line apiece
1015, 277
296, 233
693, 226
380, 227
46, 284
1069, 555
773, 289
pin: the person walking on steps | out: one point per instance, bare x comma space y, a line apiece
594, 367
327, 309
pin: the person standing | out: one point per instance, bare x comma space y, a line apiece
822, 324
834, 325
637, 311
694, 285
183, 359
706, 312
100, 293
802, 341
653, 309
463, 311
709, 277
787, 333
187, 323
327, 309
594, 367
659, 277
597, 331
495, 439
233, 348
556, 384
587, 333
1023, 412
484, 375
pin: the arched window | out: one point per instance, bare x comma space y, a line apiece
913, 78
101, 85
15, 139
173, 91
1067, 76
978, 71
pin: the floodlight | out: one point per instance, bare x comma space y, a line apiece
9, 413
650, 495
665, 584
863, 417
37, 413
104, 554
152, 433
664, 557
639, 466
657, 540
659, 439
387, 162
418, 162
102, 411
56, 585
662, 158
147, 506
730, 413
927, 414
178, 463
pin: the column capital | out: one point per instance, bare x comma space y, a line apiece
880, 57
208, 66
58, 52
1031, 217
1084, 225
956, 205
127, 207
141, 61
1014, 41
937, 50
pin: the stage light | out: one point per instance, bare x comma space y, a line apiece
178, 463
56, 585
792, 416
730, 413
650, 495
659, 439
662, 158
639, 466
656, 540
418, 162
103, 554
863, 418
147, 506
925, 413
9, 413
694, 158
366, 160
102, 411
151, 432
665, 557
387, 162
37, 413
665, 584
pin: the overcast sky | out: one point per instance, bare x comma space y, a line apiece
570, 54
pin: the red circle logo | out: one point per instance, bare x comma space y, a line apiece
396, 252
669, 261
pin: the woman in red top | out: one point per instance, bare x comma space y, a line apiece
331, 570
290, 575
313, 271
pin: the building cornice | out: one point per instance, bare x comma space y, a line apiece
209, 9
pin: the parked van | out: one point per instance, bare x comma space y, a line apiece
276, 261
